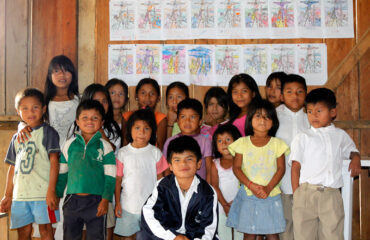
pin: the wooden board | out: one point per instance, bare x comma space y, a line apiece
2, 57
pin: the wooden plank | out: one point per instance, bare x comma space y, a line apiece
16, 38
364, 204
363, 17
353, 124
2, 57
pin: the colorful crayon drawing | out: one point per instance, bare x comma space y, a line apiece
175, 14
336, 13
122, 61
282, 59
149, 15
282, 14
202, 14
255, 60
309, 13
174, 59
147, 59
227, 60
256, 14
123, 17
229, 14
200, 61
310, 60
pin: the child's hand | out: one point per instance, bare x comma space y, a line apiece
24, 134
171, 117
267, 191
355, 167
118, 210
226, 208
181, 237
51, 200
5, 204
102, 208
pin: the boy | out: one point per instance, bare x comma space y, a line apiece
182, 206
316, 157
189, 118
88, 168
293, 120
273, 87
33, 170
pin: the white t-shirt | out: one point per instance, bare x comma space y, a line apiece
139, 175
61, 117
227, 182
290, 124
321, 152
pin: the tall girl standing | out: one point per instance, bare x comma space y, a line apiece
259, 164
241, 91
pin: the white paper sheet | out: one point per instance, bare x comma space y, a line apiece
203, 18
174, 64
121, 62
149, 20
176, 19
122, 19
201, 64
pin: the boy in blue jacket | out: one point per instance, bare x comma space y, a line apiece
183, 206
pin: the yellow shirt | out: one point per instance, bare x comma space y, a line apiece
259, 163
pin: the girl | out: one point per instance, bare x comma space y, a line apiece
259, 164
139, 166
223, 178
273, 87
175, 93
118, 91
241, 90
147, 94
216, 106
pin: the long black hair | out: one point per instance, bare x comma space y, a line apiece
147, 116
116, 81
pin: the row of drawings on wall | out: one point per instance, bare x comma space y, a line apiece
215, 19
212, 65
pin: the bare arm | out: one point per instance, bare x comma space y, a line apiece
161, 133
123, 129
208, 169
6, 202
171, 119
296, 172
355, 165
215, 185
280, 171
51, 197
117, 197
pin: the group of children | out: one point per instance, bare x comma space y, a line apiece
249, 167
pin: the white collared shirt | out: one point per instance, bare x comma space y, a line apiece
321, 152
290, 124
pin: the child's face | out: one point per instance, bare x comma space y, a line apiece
189, 121
147, 96
102, 98
215, 110
117, 95
242, 95
31, 111
319, 115
60, 78
175, 95
223, 141
141, 133
273, 92
261, 123
293, 96
89, 121
184, 165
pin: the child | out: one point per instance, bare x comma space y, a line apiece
139, 167
147, 94
317, 158
182, 205
293, 120
87, 167
259, 164
216, 107
273, 88
189, 118
241, 91
33, 170
223, 179
118, 91
175, 93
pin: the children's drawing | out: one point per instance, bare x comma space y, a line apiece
122, 61
336, 13
309, 13
147, 59
122, 16
256, 14
174, 59
255, 60
202, 14
283, 58
310, 59
227, 60
201, 64
175, 14
149, 15
282, 14
229, 14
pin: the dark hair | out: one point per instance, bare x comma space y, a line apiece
113, 130
88, 105
115, 81
147, 116
182, 144
179, 85
29, 92
255, 106
190, 103
251, 84
290, 78
220, 95
150, 81
322, 95
276, 75
226, 128
65, 64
